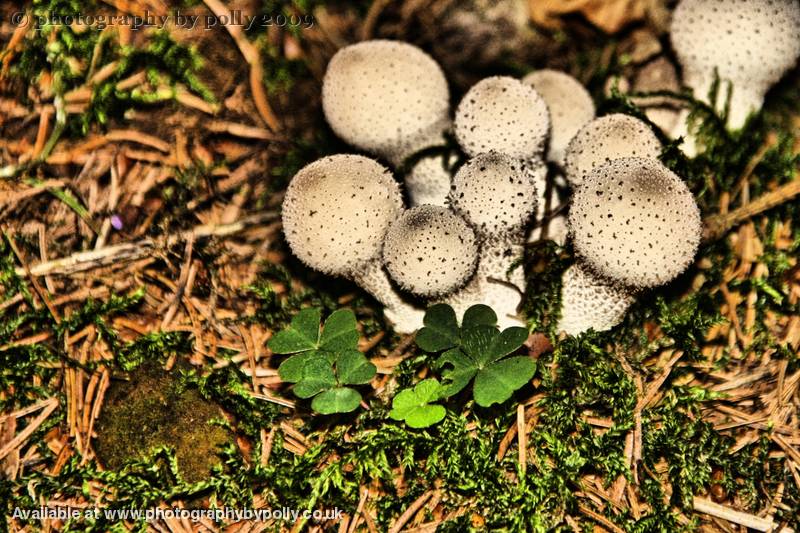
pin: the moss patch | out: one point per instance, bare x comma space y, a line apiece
153, 408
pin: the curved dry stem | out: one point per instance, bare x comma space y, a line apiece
717, 226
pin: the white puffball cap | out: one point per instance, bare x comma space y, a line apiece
591, 302
502, 114
749, 42
495, 193
430, 250
337, 210
570, 105
605, 139
635, 222
384, 96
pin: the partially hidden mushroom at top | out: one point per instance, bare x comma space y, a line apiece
502, 114
634, 225
336, 213
748, 44
391, 99
430, 251
605, 139
496, 194
570, 106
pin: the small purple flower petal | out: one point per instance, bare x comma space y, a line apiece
116, 222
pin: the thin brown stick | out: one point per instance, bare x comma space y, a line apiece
522, 439
718, 225
30, 428
415, 506
702, 505
27, 271
253, 58
132, 251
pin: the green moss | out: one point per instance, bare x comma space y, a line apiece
153, 408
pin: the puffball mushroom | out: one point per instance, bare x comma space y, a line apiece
591, 302
389, 98
497, 195
502, 114
430, 251
428, 181
635, 222
605, 139
570, 106
336, 213
749, 43
658, 75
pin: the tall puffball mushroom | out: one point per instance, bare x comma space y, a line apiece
505, 115
391, 99
570, 106
605, 139
591, 302
750, 44
497, 195
336, 213
635, 222
430, 251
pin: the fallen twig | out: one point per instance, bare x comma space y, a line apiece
132, 251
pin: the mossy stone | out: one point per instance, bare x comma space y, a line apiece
151, 408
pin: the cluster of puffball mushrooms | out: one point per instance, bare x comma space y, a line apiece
632, 222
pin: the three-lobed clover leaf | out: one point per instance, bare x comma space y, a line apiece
323, 361
415, 405
476, 350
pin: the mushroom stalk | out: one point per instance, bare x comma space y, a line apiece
497, 195
428, 180
591, 302
405, 317
495, 283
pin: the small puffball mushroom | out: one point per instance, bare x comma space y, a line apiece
635, 222
336, 212
497, 195
749, 43
430, 251
658, 75
505, 115
591, 302
570, 106
386, 97
428, 181
605, 139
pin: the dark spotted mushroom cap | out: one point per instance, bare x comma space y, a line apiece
430, 251
495, 193
751, 43
337, 210
381, 95
635, 222
569, 103
605, 139
502, 114
591, 302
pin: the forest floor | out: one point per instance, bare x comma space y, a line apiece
143, 270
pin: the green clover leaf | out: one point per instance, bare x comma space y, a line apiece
323, 362
414, 405
336, 400
440, 331
477, 350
